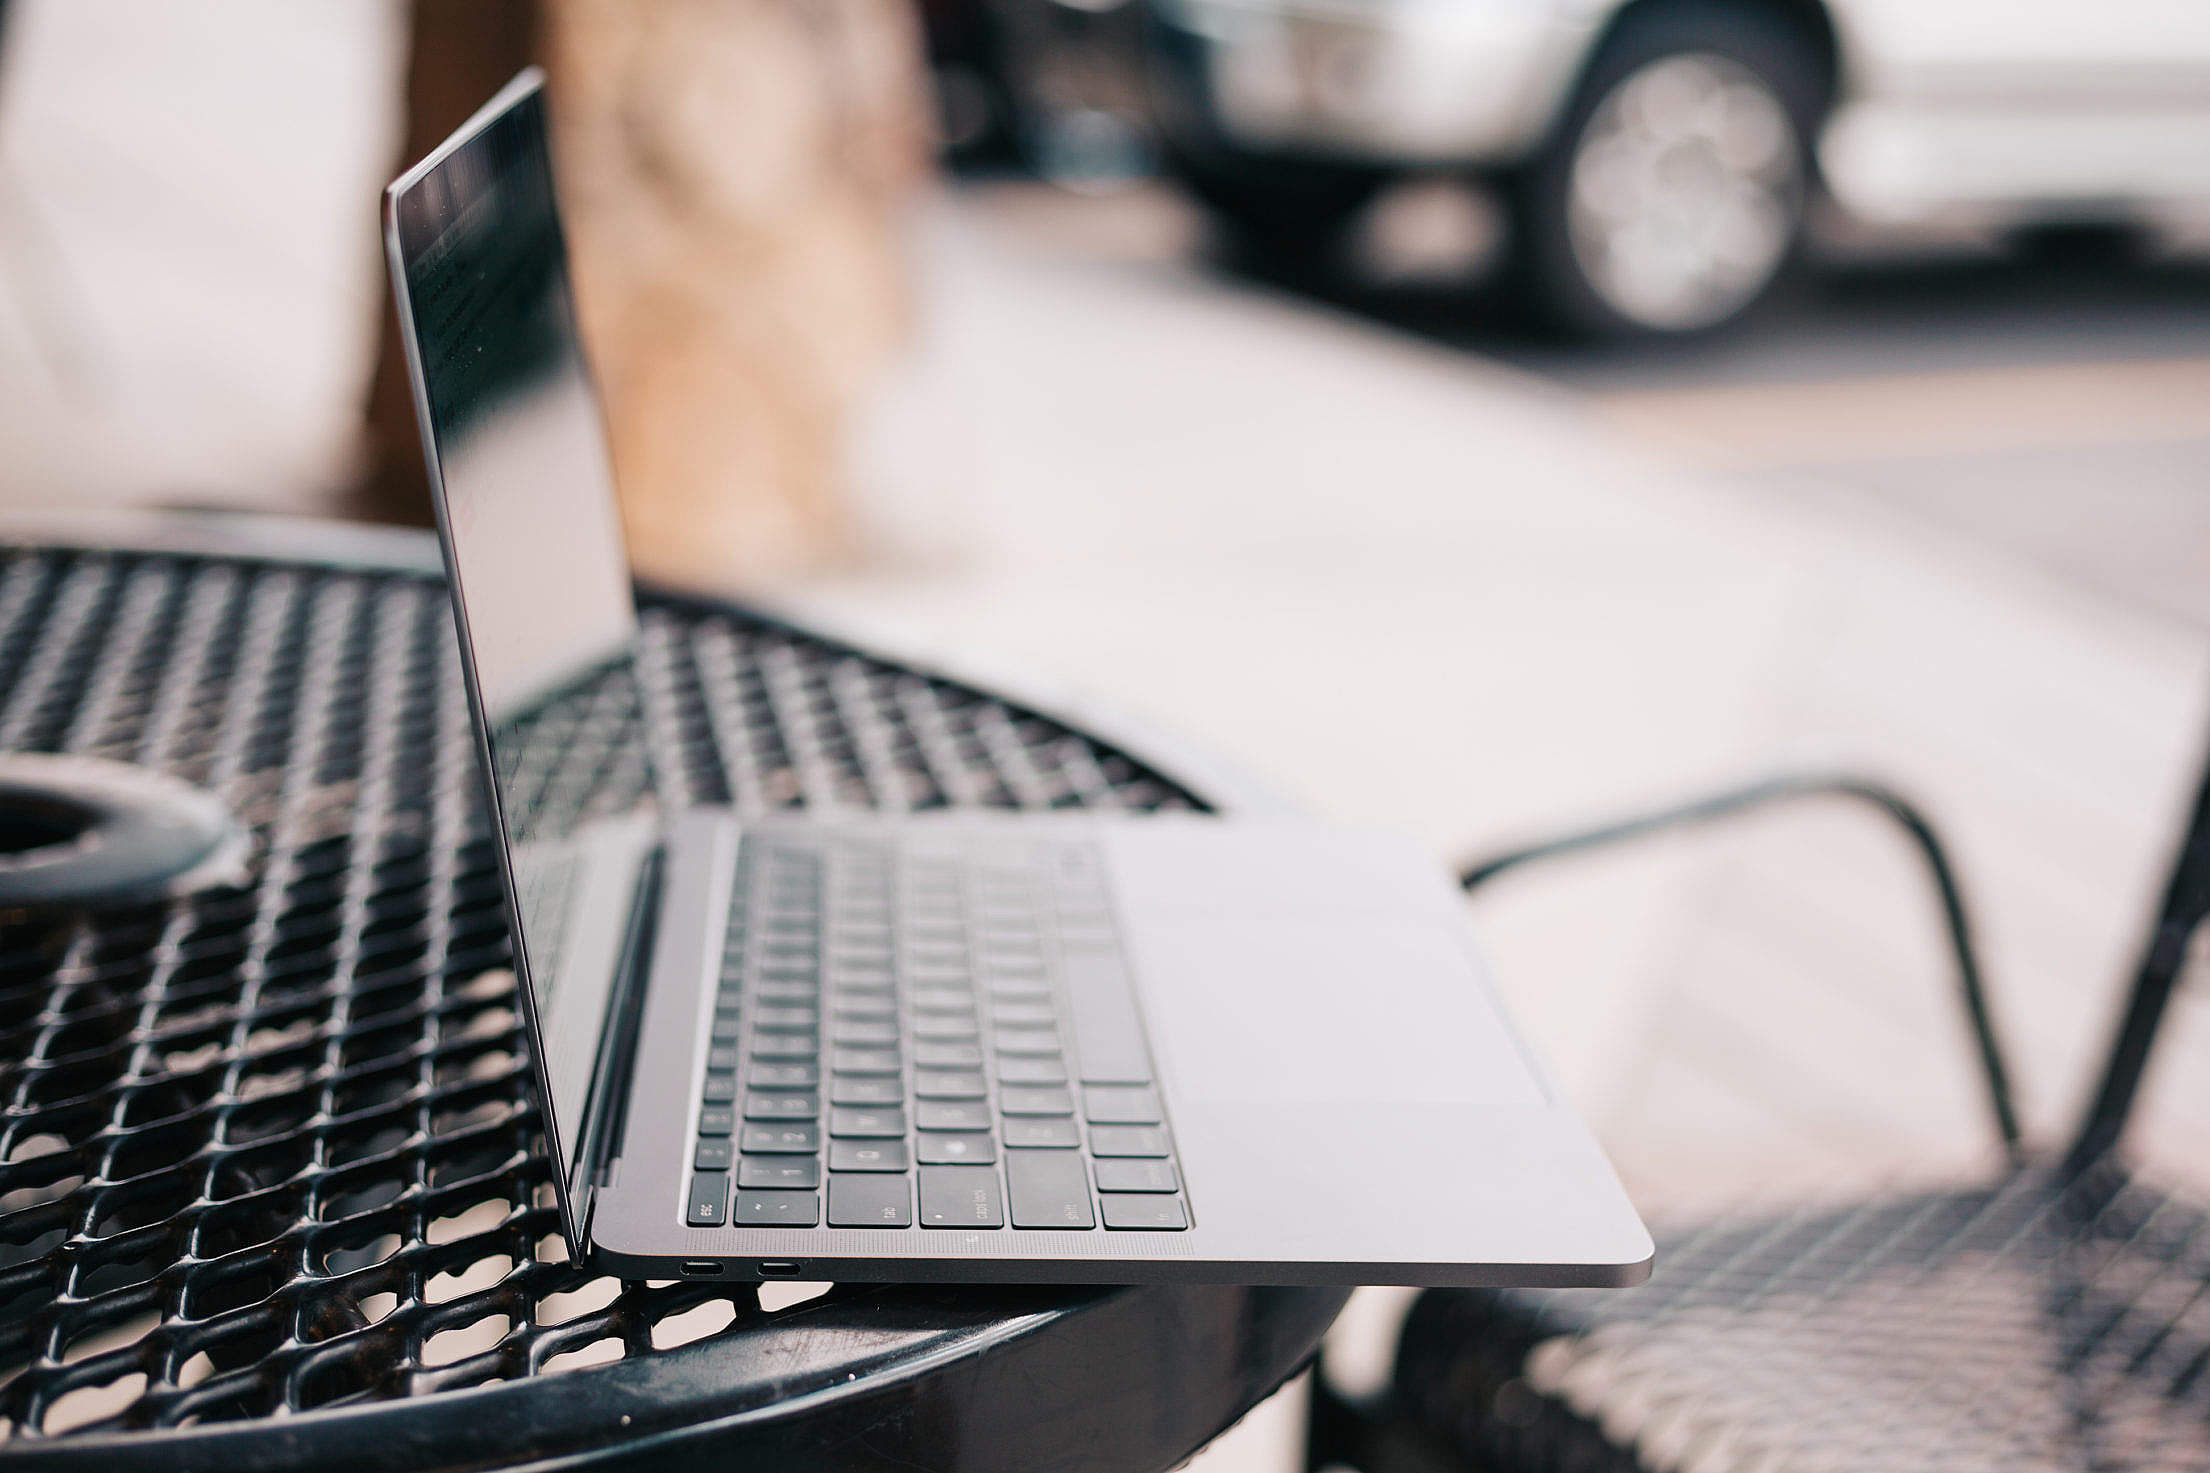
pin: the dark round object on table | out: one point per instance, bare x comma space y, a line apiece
88, 831
273, 1192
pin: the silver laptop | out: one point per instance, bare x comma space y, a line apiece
956, 1047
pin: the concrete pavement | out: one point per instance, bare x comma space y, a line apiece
1417, 589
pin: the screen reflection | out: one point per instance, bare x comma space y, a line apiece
542, 584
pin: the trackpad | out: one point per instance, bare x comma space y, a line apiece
1325, 1010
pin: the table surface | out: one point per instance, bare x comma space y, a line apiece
272, 1191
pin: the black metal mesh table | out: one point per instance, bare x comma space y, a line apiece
272, 1192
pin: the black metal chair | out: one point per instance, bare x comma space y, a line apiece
2055, 1316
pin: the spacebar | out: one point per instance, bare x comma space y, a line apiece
1108, 1039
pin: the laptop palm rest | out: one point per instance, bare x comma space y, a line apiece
1296, 965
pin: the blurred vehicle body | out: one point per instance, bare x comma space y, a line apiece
1055, 86
975, 115
1658, 154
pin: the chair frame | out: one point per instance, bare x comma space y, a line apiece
1368, 1434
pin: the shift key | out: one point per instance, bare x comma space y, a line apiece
961, 1197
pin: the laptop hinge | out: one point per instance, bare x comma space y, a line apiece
606, 1108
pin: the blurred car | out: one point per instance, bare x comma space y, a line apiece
965, 55
1658, 156
1057, 87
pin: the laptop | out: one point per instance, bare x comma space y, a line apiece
942, 1047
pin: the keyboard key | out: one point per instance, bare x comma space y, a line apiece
722, 1058
1023, 1015
1144, 1213
717, 1120
1026, 1041
781, 1139
866, 1006
1129, 1175
720, 1089
1041, 1132
869, 1201
786, 1046
727, 1029
785, 1076
1048, 1189
939, 1084
1121, 1105
886, 1124
947, 1055
1108, 1039
864, 1033
777, 1209
1023, 989
946, 1027
952, 1148
709, 1199
1005, 938
1035, 1102
1127, 1140
785, 1020
936, 945
802, 1173
961, 1197
799, 1106
952, 1115
861, 1089
868, 1155
1042, 1069
942, 1000
712, 1154
864, 1060
787, 994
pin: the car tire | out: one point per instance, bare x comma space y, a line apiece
1669, 201
1295, 208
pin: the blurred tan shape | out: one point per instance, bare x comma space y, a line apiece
732, 174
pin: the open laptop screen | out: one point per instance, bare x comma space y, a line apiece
518, 458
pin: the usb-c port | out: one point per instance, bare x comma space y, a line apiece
778, 1268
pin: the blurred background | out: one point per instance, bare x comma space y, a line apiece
1472, 416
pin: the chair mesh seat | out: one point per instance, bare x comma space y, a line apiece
2031, 1326
270, 1148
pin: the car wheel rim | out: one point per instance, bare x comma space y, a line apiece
1685, 191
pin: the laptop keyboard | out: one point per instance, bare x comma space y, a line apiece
910, 1036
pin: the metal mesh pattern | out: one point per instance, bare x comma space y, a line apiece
270, 1148
2030, 1327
